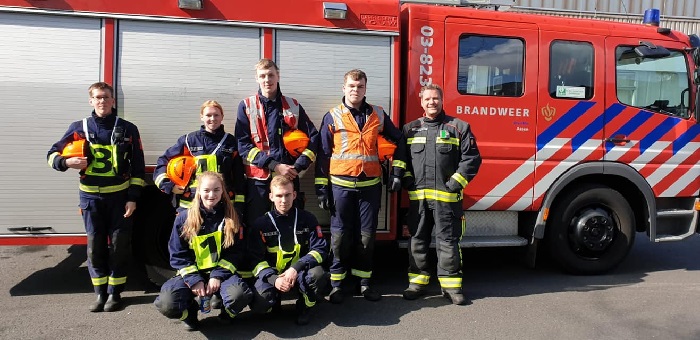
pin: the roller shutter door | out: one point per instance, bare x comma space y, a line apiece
47, 64
312, 65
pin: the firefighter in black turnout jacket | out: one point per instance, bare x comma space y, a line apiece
295, 247
107, 151
442, 157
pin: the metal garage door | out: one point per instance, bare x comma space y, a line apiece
312, 65
167, 70
47, 64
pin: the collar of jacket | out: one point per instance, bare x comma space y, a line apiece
438, 119
364, 107
216, 135
105, 121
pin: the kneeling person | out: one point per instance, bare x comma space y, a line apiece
206, 246
295, 246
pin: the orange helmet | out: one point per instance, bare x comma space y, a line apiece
385, 148
295, 141
76, 148
180, 170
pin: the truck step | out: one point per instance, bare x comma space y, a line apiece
482, 242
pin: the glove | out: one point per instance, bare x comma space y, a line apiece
408, 182
323, 199
394, 184
453, 186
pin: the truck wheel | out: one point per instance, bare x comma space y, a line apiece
153, 223
590, 230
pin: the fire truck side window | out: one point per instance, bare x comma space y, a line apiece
659, 85
491, 66
571, 70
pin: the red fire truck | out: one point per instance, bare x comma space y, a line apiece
588, 129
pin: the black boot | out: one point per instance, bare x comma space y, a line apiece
190, 320
455, 296
303, 313
370, 294
336, 295
99, 304
114, 303
413, 292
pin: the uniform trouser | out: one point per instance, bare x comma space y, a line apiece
176, 297
307, 283
108, 239
258, 198
353, 230
448, 220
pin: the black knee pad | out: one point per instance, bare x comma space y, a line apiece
166, 305
448, 256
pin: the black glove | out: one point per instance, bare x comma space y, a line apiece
324, 201
408, 182
394, 184
453, 186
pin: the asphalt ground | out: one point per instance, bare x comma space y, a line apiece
654, 294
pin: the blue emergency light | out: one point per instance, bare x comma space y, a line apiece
652, 17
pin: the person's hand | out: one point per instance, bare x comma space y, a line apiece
286, 170
453, 186
291, 276
199, 289
213, 286
281, 284
129, 207
324, 202
77, 162
394, 184
178, 190
408, 182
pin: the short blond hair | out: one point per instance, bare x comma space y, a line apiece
101, 86
355, 74
266, 64
280, 181
430, 87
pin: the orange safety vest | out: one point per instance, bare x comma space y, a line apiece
355, 151
258, 130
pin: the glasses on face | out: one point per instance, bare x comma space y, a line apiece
102, 98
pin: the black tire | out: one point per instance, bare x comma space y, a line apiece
590, 229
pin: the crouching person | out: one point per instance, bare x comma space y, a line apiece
295, 248
206, 246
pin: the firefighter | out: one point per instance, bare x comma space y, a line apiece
295, 247
207, 245
348, 161
107, 152
213, 149
442, 157
263, 120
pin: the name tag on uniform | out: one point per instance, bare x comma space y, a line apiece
444, 134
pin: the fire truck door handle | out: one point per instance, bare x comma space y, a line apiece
29, 229
618, 140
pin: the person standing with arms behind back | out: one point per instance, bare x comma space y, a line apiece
349, 157
442, 157
264, 124
107, 152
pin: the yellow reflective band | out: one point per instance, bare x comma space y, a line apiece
104, 190
454, 141
416, 140
338, 277
160, 178
308, 302
464, 229
273, 250
185, 204
98, 281
399, 164
361, 273
354, 184
137, 181
321, 181
230, 313
262, 265
187, 270
450, 282
432, 194
239, 199
227, 265
185, 314
407, 174
113, 281
418, 279
246, 275
459, 178
310, 154
52, 157
251, 155
316, 256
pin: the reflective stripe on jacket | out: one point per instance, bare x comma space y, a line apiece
355, 151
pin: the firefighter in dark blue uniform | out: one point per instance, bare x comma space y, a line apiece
349, 159
207, 247
442, 158
214, 150
263, 119
112, 171
295, 246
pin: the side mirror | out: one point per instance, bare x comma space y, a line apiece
649, 50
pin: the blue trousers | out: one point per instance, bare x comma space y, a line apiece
307, 282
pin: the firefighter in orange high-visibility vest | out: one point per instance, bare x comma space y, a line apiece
441, 158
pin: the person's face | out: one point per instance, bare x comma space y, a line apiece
212, 118
210, 192
354, 91
102, 101
283, 197
431, 103
267, 79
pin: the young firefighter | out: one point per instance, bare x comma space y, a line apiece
349, 157
442, 158
108, 154
207, 245
295, 246
263, 128
213, 149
